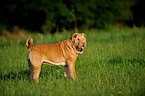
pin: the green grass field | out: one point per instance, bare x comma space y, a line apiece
113, 64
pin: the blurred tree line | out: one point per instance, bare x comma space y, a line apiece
56, 15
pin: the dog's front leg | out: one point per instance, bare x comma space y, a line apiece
70, 69
66, 73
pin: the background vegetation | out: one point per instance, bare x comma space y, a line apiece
112, 64
57, 15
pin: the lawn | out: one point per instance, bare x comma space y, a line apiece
113, 64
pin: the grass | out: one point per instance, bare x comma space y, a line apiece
113, 64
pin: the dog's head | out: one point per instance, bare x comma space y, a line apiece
79, 42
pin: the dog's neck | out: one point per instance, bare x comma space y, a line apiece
71, 44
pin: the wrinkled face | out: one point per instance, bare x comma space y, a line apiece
79, 40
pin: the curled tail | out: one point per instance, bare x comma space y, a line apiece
29, 43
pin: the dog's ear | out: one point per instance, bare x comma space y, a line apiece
74, 36
84, 35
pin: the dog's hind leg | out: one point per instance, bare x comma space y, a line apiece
30, 71
35, 67
36, 72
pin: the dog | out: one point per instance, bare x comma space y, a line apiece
63, 53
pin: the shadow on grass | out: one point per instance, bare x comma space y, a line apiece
116, 59
137, 61
55, 72
133, 61
13, 75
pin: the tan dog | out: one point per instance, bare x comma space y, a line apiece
63, 53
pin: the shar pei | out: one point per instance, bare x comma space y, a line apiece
63, 53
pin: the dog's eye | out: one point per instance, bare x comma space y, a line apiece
78, 39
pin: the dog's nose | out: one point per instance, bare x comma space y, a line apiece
84, 44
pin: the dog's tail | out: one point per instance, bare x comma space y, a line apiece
29, 43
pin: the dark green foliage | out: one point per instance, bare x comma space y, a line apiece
139, 16
56, 15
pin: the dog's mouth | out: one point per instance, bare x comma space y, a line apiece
80, 49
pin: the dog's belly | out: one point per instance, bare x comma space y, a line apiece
54, 63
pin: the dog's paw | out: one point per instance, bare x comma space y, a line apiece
65, 75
